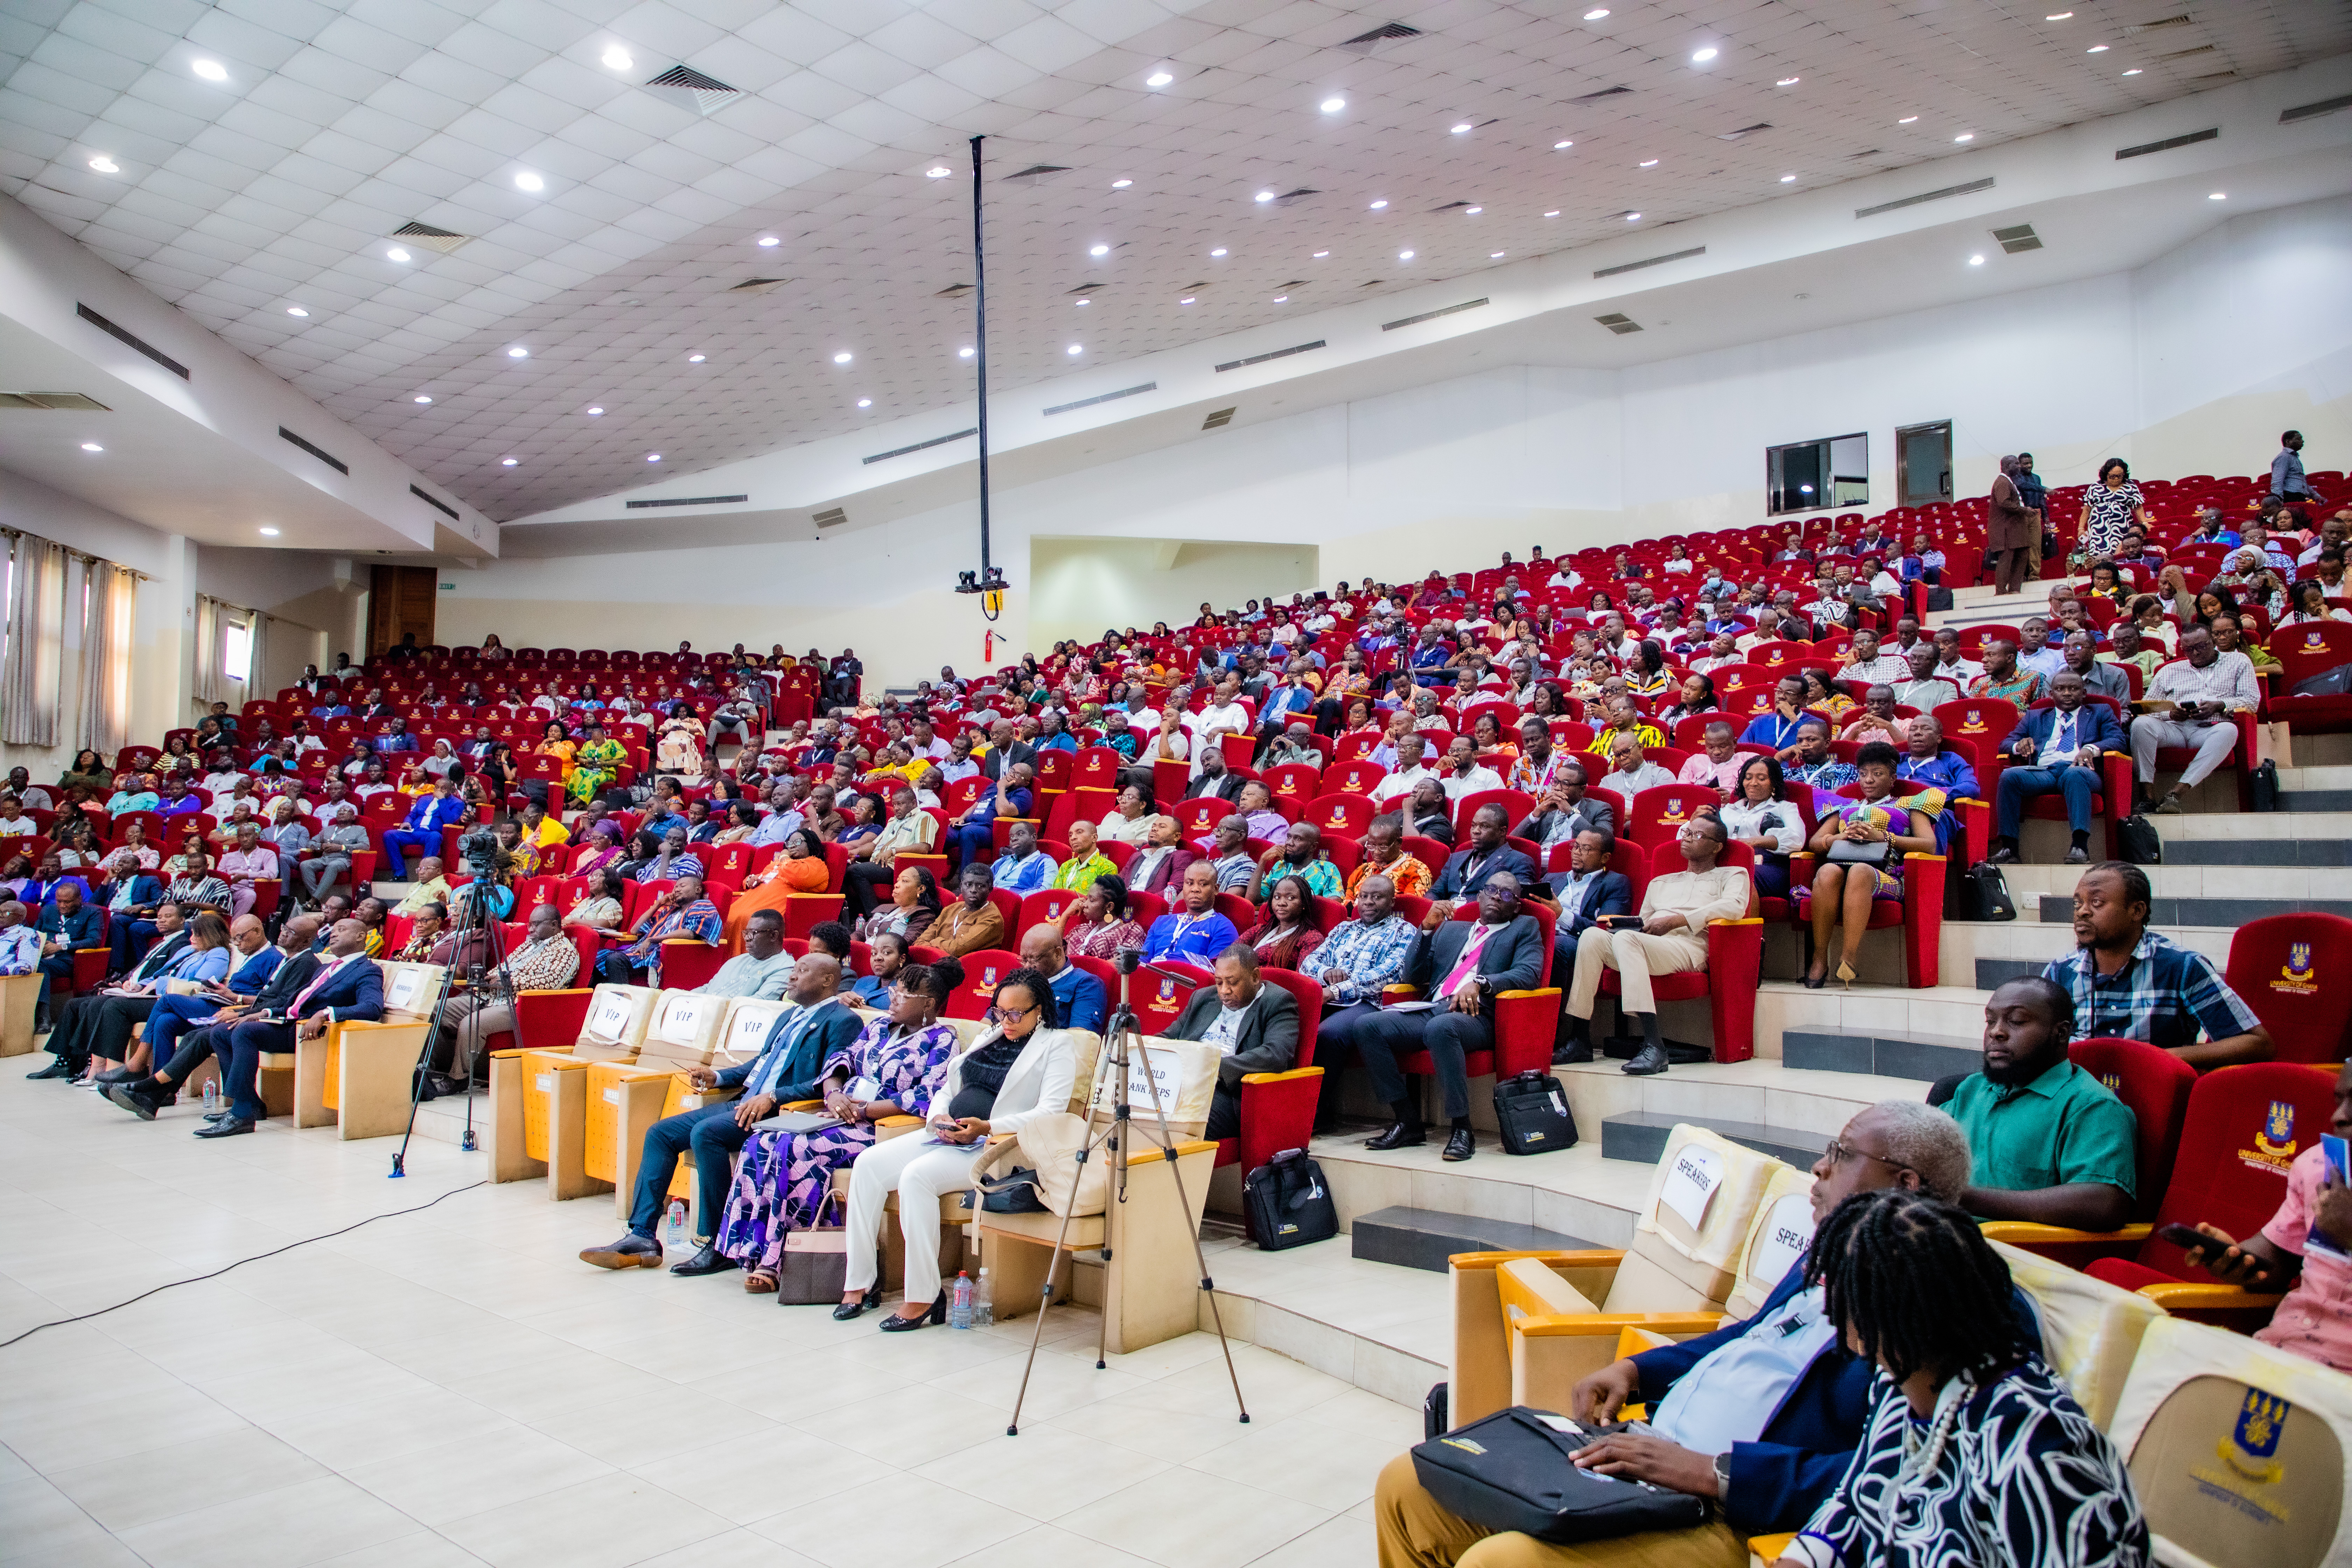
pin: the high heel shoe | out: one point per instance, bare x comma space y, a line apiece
1815, 983
896, 1324
844, 1311
1845, 975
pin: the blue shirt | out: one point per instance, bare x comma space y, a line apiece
1181, 938
1078, 999
2166, 994
1029, 874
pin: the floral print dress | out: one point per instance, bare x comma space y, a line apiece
782, 1178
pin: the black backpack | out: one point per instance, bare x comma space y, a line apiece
2136, 841
2266, 785
1985, 894
1532, 1110
1288, 1203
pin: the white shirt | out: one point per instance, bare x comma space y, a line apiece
1960, 672
1399, 784
1226, 1028
1478, 778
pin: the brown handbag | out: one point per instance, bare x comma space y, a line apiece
815, 1263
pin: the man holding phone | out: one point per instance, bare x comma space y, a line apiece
2207, 689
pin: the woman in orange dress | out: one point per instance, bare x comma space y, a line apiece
801, 869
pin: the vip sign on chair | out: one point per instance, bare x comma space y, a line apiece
539, 1095
685, 1028
360, 1076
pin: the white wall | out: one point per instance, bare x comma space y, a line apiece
2192, 364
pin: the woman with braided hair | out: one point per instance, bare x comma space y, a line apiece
1975, 1452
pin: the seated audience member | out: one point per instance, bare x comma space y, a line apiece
1131, 818
1087, 862
336, 844
971, 924
1761, 815
1300, 853
1464, 773
1761, 1415
1718, 761
1465, 870
1589, 894
1427, 813
1811, 762
2003, 679
1462, 967
1159, 866
76, 1024
1194, 932
1630, 770
1102, 921
1079, 1000
1254, 807
1023, 1066
2315, 1318
2052, 1143
145, 1095
2129, 982
1566, 808
800, 1041
1676, 908
421, 830
2055, 750
885, 958
1862, 843
1532, 769
346, 986
2108, 679
973, 838
1254, 1026
1360, 957
431, 887
1967, 1410
544, 960
1382, 854
1227, 854
1407, 771
1921, 686
681, 912
1023, 867
2208, 688
1926, 761
65, 925
1285, 933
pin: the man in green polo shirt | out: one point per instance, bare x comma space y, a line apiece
2052, 1143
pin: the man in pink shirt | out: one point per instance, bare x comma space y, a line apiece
1717, 764
251, 859
2304, 1250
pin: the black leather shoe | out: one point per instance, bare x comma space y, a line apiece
56, 1069
1460, 1145
708, 1260
142, 1099
845, 1310
2004, 855
1396, 1135
1650, 1059
226, 1127
215, 1115
1573, 1055
632, 1251
897, 1324
118, 1075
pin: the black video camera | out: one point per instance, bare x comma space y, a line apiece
480, 851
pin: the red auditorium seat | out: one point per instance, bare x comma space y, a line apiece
2295, 971
1734, 960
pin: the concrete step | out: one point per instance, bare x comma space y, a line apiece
2215, 889
1950, 1011
1921, 1058
2317, 777
2166, 913
1425, 1239
1984, 954
1640, 1137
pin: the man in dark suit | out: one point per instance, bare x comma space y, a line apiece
1004, 749
144, 1096
347, 985
65, 924
787, 1069
1588, 892
1253, 1024
1462, 968
1465, 870
1567, 808
2055, 750
1215, 780
76, 1021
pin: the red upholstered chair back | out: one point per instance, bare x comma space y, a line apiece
1660, 813
983, 971
2295, 971
2155, 1084
2245, 1125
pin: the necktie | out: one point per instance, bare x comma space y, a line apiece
775, 1068
325, 971
1467, 964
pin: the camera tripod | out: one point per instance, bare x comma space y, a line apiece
476, 921
1123, 1041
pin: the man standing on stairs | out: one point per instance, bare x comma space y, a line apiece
1762, 1416
1670, 938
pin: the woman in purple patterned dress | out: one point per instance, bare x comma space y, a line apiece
890, 1070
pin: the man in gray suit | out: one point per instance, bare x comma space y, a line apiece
1253, 1024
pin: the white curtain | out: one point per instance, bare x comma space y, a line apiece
32, 673
210, 629
106, 635
255, 656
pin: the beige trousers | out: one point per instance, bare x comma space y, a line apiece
1415, 1531
1635, 955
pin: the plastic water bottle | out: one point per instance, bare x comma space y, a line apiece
673, 1234
983, 1303
212, 1095
960, 1302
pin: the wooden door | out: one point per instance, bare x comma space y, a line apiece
400, 601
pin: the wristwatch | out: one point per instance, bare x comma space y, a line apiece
1722, 1476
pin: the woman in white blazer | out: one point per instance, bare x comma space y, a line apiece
1024, 1065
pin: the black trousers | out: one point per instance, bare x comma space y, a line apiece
865, 885
111, 1026
74, 1026
1448, 1036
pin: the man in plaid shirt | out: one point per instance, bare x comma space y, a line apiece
681, 912
2129, 983
545, 961
1360, 958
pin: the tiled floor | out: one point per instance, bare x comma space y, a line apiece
454, 1387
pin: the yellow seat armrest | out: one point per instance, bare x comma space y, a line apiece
802, 1105
2193, 1296
1609, 1323
1147, 1156
898, 1122
1771, 1548
1546, 991
1748, 921
2027, 1234
1400, 992
1281, 1076
1593, 1258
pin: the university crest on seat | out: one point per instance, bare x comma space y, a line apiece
2252, 1448
2298, 977
2274, 1145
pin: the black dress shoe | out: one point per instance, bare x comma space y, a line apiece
1650, 1059
215, 1115
708, 1260
845, 1310
1396, 1135
1574, 1055
118, 1075
632, 1251
2004, 855
1460, 1145
226, 1127
56, 1069
142, 1099
897, 1323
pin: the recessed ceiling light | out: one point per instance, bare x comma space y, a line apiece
296, 310
1788, 179
1908, 120
1495, 254
420, 397
1282, 298
1333, 105
105, 165
1976, 261
1596, 14
268, 533
1379, 206
592, 413
1472, 212
1463, 128
1120, 184
1219, 251
1404, 256
865, 403
527, 181
509, 462
2134, 71
1554, 213
842, 358
396, 254
1649, 163
2097, 50
1082, 301
1632, 218
1700, 56
695, 359
1966, 136
653, 457
2057, 15
767, 241
1263, 196
1322, 254
617, 58
1076, 349
2219, 196
1789, 81
1562, 146
937, 172
964, 354
1158, 79
1099, 250
91, 446
211, 70
518, 351
1185, 300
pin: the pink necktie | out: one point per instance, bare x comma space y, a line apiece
316, 981
1468, 963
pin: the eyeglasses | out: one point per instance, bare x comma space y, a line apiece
1838, 1153
1009, 1015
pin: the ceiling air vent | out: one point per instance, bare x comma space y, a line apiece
690, 88
831, 517
2314, 111
2020, 237
1967, 189
52, 400
758, 285
432, 238
1450, 207
684, 500
1105, 398
1085, 288
2161, 21
1432, 315
315, 450
1386, 34
1277, 354
1038, 173
1651, 261
1618, 323
2189, 54
2168, 144
436, 503
1744, 130
1292, 198
1597, 97
1219, 419
920, 446
1867, 153
125, 336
